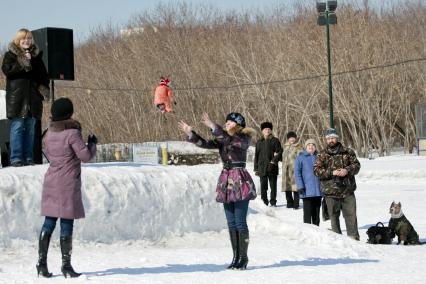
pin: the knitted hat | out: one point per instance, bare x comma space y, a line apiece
310, 141
266, 124
291, 134
237, 118
62, 109
331, 132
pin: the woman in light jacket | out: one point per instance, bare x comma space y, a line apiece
61, 197
235, 187
308, 184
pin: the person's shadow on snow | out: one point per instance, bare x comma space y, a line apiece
315, 262
182, 268
169, 268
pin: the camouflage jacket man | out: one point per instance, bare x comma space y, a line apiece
330, 159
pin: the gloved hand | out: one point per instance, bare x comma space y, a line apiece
301, 191
92, 139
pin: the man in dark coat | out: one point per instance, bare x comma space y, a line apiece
268, 154
26, 84
336, 166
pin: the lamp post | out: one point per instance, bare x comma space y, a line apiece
327, 17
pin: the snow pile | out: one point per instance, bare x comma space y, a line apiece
162, 225
123, 201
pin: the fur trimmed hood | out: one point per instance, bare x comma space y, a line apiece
20, 55
34, 50
249, 132
244, 131
58, 126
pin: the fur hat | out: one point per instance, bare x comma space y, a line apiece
330, 133
164, 81
291, 134
62, 109
237, 118
310, 141
266, 124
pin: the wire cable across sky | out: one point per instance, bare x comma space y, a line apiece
243, 85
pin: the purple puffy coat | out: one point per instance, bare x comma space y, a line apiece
65, 150
234, 184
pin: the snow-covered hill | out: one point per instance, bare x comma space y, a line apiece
155, 224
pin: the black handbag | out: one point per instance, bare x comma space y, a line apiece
379, 234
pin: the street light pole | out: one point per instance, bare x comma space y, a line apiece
330, 85
327, 17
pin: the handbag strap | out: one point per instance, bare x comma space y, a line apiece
380, 223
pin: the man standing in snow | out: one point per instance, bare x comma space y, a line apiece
268, 154
336, 166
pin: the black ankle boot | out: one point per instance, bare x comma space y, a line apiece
233, 236
66, 248
43, 247
243, 243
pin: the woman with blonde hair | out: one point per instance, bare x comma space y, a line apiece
26, 85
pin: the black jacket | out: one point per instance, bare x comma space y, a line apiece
24, 80
267, 150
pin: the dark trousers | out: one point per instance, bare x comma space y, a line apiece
236, 215
311, 210
292, 199
347, 206
264, 189
67, 226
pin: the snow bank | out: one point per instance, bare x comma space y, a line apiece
122, 202
127, 201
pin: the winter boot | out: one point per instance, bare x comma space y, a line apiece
43, 247
243, 243
233, 236
289, 198
296, 200
66, 248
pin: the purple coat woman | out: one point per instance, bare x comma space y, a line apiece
65, 150
61, 197
235, 187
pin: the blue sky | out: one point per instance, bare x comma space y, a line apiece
84, 15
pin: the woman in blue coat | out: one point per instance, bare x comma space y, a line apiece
308, 184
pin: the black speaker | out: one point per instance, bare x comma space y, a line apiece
58, 51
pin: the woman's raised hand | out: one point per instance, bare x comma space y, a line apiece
207, 121
185, 127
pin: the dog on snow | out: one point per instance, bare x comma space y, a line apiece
401, 227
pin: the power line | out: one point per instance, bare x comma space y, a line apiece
310, 77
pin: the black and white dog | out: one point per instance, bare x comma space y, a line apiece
401, 227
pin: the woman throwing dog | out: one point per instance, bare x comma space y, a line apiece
235, 187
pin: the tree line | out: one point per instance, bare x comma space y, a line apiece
264, 64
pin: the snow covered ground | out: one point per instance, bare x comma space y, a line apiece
155, 224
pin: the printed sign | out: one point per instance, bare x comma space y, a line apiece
422, 147
146, 154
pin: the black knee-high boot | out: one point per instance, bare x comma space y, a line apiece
43, 247
243, 243
234, 236
66, 248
